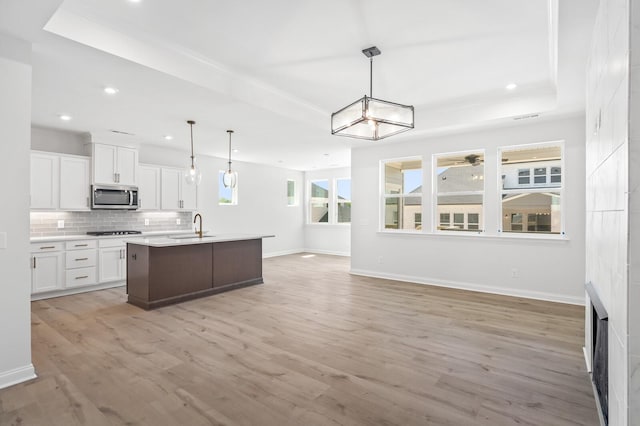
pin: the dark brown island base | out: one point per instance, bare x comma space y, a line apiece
163, 271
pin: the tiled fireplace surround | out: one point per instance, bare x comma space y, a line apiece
45, 224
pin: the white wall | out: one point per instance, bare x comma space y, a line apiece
607, 159
15, 288
550, 269
52, 140
325, 238
262, 195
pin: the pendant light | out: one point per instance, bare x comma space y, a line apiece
371, 118
230, 178
193, 175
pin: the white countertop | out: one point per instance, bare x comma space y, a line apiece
207, 239
95, 237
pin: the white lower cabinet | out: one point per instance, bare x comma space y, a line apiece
47, 271
80, 262
112, 256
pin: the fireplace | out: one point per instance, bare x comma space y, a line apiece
599, 351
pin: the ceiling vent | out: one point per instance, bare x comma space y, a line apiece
120, 132
526, 117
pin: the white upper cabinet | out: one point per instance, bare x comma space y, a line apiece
45, 171
74, 183
127, 166
114, 165
149, 187
176, 194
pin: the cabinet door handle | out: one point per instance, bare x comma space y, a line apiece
82, 277
134, 256
82, 258
47, 247
81, 245
34, 262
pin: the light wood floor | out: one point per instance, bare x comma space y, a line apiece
312, 346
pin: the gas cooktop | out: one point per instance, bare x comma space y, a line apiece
101, 233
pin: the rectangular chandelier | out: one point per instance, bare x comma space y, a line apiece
371, 118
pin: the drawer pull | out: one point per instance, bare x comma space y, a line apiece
81, 245
47, 247
82, 258
82, 277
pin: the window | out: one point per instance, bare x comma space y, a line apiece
291, 193
459, 182
343, 201
226, 196
418, 220
532, 206
402, 197
319, 201
330, 201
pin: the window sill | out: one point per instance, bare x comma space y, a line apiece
477, 235
329, 225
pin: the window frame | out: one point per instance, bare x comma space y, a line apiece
309, 198
384, 196
434, 198
332, 197
533, 188
295, 193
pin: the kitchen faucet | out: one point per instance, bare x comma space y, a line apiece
199, 233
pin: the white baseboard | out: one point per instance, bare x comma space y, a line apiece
586, 359
17, 375
528, 294
281, 253
298, 251
329, 252
76, 290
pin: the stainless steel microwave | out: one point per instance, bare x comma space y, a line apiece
108, 197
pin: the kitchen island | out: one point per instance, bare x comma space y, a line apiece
163, 271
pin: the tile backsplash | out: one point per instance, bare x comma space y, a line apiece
45, 224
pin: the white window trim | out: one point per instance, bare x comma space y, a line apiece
332, 200
384, 196
559, 189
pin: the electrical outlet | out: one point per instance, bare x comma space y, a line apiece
146, 221
178, 221
515, 273
61, 224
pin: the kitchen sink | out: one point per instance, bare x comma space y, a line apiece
189, 237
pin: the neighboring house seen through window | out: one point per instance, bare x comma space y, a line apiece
459, 185
402, 198
532, 205
330, 201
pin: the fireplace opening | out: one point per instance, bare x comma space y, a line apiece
599, 351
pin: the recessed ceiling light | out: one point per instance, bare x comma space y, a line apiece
64, 117
110, 90
236, 150
167, 137
511, 86
135, 1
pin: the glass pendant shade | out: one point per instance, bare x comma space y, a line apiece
229, 179
193, 175
372, 119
